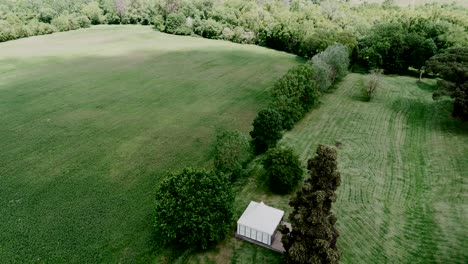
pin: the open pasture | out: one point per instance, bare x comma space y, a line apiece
91, 119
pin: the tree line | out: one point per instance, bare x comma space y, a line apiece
379, 36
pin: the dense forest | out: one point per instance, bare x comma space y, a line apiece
383, 36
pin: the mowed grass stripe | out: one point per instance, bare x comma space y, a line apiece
402, 160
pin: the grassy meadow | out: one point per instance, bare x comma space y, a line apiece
403, 162
91, 119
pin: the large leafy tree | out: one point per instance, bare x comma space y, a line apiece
452, 67
193, 208
267, 129
313, 236
284, 169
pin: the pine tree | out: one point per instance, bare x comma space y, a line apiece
313, 237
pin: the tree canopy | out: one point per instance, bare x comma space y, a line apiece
379, 36
193, 208
283, 169
452, 67
267, 129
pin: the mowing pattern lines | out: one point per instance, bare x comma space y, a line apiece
403, 195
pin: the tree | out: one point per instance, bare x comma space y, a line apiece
337, 56
298, 84
232, 152
93, 12
452, 67
313, 236
193, 208
283, 169
373, 82
174, 22
267, 129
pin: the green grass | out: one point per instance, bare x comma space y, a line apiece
403, 161
91, 120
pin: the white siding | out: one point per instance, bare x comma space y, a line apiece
259, 236
253, 235
242, 230
265, 239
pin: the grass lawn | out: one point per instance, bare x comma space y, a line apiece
404, 163
91, 119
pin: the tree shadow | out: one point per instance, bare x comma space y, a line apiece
435, 114
427, 86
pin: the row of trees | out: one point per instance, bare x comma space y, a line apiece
295, 93
194, 206
379, 36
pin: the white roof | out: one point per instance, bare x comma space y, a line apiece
261, 217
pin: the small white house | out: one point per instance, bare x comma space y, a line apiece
259, 222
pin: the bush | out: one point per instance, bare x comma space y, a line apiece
283, 169
61, 23
174, 21
290, 109
209, 29
337, 56
82, 21
322, 73
46, 14
232, 152
267, 129
158, 23
93, 12
193, 208
373, 82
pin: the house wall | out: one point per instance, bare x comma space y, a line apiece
254, 234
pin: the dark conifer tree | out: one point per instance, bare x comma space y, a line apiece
313, 236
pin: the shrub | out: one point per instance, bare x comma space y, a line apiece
209, 29
290, 109
193, 208
82, 21
373, 82
337, 57
183, 30
232, 152
174, 21
45, 28
62, 22
93, 12
158, 23
227, 34
46, 14
322, 73
267, 129
283, 169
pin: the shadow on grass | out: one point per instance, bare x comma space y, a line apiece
434, 114
426, 86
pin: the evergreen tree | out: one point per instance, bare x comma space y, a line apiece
313, 236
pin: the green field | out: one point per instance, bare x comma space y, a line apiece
91, 119
404, 163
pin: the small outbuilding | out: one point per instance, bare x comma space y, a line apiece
259, 222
